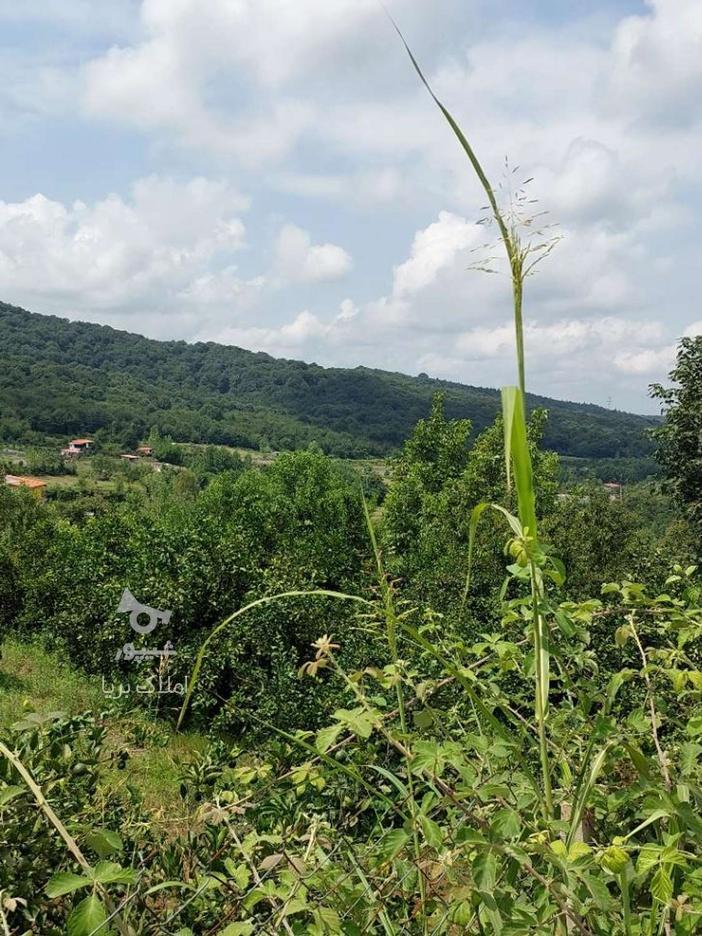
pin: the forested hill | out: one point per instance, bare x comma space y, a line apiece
61, 378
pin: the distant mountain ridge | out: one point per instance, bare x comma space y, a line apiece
61, 378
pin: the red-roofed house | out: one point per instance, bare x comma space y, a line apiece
35, 485
76, 447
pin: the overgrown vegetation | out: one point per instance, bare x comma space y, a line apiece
423, 720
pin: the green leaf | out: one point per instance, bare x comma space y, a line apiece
393, 843
462, 913
506, 824
104, 842
654, 817
88, 916
565, 625
694, 726
639, 760
475, 516
433, 835
359, 720
245, 928
579, 850
615, 684
295, 905
328, 919
109, 872
65, 882
239, 873
326, 737
485, 871
662, 885
622, 634
649, 856
8, 793
429, 756
689, 756
517, 446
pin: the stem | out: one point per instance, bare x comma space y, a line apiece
652, 706
515, 255
626, 901
391, 634
518, 294
542, 689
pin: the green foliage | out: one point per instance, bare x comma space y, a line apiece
335, 831
437, 480
199, 553
679, 439
619, 470
63, 378
39, 461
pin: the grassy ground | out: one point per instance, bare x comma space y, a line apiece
33, 680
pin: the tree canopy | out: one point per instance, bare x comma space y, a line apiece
61, 378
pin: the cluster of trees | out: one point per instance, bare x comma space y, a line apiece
207, 539
619, 470
200, 554
61, 378
217, 533
680, 437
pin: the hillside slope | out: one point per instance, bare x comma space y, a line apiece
60, 378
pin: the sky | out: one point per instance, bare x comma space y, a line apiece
270, 174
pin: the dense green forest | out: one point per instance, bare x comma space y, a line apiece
61, 378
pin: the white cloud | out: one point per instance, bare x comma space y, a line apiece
647, 361
301, 261
433, 249
291, 337
184, 73
656, 67
453, 322
118, 253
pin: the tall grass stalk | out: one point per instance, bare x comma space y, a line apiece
517, 456
516, 254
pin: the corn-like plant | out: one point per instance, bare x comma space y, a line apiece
524, 547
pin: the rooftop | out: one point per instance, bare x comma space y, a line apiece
24, 481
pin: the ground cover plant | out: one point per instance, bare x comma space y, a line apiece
483, 751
